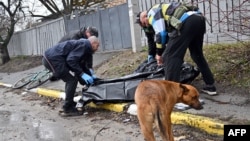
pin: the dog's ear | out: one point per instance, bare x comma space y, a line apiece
184, 88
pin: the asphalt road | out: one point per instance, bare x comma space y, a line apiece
227, 107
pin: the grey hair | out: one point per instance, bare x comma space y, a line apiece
93, 39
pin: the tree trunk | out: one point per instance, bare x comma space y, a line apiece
4, 55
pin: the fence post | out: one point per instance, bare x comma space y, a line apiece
133, 8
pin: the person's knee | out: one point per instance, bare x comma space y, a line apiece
68, 78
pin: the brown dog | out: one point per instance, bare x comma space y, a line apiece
155, 100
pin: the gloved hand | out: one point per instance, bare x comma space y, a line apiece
92, 73
88, 79
150, 58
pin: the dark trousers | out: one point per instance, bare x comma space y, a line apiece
191, 37
151, 47
70, 86
70, 89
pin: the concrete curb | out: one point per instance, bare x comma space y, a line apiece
211, 126
58, 94
48, 92
5, 85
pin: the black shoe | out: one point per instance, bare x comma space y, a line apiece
210, 90
71, 112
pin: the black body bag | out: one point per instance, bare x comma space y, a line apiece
123, 89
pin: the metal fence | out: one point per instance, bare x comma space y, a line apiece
35, 41
112, 23
227, 21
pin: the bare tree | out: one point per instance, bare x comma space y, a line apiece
53, 8
66, 7
10, 15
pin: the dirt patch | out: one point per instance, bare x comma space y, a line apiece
121, 64
21, 63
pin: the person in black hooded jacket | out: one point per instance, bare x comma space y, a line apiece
84, 32
66, 57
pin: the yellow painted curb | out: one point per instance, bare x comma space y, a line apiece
209, 125
109, 106
6, 85
51, 93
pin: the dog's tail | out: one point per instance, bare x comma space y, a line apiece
161, 128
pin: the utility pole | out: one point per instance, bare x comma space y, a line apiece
133, 6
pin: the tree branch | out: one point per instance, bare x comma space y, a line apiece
53, 5
47, 6
34, 15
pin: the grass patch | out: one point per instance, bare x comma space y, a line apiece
19, 57
229, 62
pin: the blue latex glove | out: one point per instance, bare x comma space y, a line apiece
150, 58
92, 73
88, 79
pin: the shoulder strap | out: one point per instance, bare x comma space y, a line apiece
180, 14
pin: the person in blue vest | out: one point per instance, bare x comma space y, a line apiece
181, 27
66, 57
